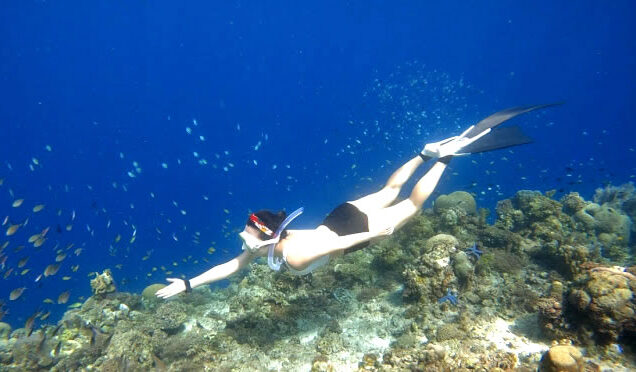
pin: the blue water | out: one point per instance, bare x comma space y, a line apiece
306, 104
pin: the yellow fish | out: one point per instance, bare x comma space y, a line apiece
12, 229
38, 208
75, 305
48, 301
17, 203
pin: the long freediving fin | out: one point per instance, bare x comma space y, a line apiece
502, 116
498, 138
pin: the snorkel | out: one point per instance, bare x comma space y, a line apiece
274, 262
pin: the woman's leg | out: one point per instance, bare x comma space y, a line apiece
391, 190
396, 215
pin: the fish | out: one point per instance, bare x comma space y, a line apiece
28, 325
12, 229
75, 305
52, 269
42, 341
34, 237
57, 348
60, 257
6, 219
16, 293
38, 208
46, 315
48, 301
23, 261
25, 271
38, 242
16, 203
56, 329
8, 272
45, 230
63, 297
75, 268
95, 334
3, 311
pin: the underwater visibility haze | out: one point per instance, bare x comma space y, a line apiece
137, 138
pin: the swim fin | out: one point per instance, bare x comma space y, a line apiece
501, 116
498, 138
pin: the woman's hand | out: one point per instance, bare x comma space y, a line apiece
177, 286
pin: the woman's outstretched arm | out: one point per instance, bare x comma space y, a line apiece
216, 273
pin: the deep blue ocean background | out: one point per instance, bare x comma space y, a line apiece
221, 108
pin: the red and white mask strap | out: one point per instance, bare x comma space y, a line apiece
261, 226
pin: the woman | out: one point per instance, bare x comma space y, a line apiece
353, 225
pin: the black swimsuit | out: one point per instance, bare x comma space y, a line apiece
347, 219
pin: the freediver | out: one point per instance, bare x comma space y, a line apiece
353, 225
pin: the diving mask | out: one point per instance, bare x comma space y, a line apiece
253, 244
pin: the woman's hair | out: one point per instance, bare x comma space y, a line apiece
270, 219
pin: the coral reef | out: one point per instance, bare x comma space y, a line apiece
562, 357
606, 302
458, 199
448, 291
103, 283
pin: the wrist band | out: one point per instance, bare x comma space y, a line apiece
187, 285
